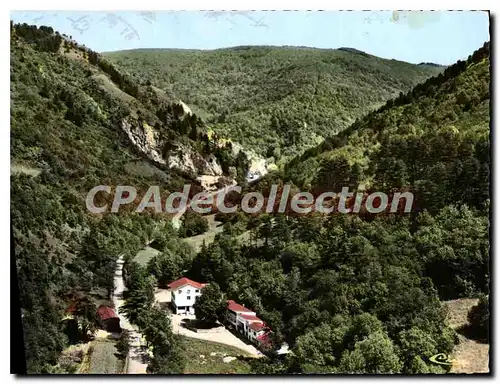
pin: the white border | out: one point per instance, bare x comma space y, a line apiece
254, 5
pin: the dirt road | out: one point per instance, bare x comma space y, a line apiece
222, 336
176, 219
138, 355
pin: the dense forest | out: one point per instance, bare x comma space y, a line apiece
362, 294
348, 293
277, 101
66, 139
434, 139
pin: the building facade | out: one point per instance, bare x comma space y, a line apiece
246, 322
183, 295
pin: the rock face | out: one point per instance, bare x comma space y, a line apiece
146, 139
181, 161
213, 183
212, 167
185, 109
185, 159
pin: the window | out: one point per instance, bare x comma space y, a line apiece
197, 291
179, 291
189, 297
188, 291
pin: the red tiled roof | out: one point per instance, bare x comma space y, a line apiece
257, 326
72, 308
250, 317
235, 307
265, 338
185, 281
105, 313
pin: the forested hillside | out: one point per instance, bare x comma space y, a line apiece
433, 140
276, 101
348, 293
362, 294
70, 111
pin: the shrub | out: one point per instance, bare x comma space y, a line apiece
193, 224
479, 317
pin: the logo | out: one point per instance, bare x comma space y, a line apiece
442, 359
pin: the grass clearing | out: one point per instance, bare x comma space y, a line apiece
214, 227
110, 87
458, 310
103, 359
470, 356
199, 360
144, 255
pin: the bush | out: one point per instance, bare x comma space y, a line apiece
479, 318
123, 344
193, 224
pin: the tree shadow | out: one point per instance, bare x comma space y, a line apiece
241, 336
120, 356
143, 354
198, 324
113, 336
119, 295
472, 333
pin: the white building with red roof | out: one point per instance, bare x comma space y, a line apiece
184, 293
246, 322
256, 331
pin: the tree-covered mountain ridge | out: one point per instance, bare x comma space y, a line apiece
164, 130
276, 101
78, 122
349, 294
433, 140
364, 293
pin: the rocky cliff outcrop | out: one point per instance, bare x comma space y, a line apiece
184, 108
182, 157
147, 140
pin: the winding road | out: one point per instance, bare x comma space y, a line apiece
138, 355
176, 219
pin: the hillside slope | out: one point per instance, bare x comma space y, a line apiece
470, 356
433, 140
277, 101
363, 293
